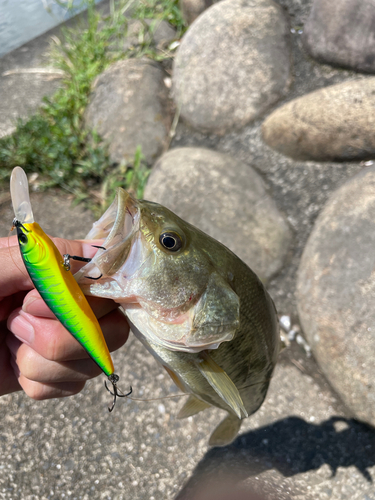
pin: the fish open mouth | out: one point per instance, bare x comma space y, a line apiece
119, 228
150, 285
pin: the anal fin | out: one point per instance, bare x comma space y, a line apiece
225, 432
221, 383
192, 406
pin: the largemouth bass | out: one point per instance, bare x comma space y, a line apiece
198, 309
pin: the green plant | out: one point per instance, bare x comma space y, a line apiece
131, 176
167, 10
54, 142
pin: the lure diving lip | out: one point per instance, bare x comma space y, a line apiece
50, 275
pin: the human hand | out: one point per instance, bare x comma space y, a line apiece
37, 354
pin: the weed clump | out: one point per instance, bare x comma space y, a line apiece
54, 142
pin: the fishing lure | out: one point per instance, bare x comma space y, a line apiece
51, 276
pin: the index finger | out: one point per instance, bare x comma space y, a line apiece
13, 274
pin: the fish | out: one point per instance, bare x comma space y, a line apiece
51, 276
201, 312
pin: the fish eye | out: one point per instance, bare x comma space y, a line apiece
22, 238
171, 241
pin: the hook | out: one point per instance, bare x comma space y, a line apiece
91, 278
116, 392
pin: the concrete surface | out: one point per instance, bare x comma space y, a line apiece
301, 444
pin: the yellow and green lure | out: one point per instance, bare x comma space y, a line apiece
51, 276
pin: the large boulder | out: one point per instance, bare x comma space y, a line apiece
129, 106
232, 65
341, 32
336, 291
335, 123
227, 200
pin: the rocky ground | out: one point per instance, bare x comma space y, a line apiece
272, 155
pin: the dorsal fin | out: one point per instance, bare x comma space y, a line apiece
221, 383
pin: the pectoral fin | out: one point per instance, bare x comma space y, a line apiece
225, 432
192, 406
216, 314
221, 383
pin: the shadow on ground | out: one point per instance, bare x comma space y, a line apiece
290, 446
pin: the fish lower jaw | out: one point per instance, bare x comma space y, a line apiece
182, 347
174, 336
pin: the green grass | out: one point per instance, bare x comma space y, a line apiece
54, 142
161, 9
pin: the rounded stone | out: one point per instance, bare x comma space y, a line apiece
227, 200
232, 65
129, 106
336, 292
341, 33
158, 33
335, 123
191, 9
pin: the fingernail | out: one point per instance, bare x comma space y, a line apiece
28, 301
22, 328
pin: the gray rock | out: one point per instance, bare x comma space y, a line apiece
232, 65
335, 123
342, 33
129, 106
191, 9
336, 289
163, 33
159, 33
225, 198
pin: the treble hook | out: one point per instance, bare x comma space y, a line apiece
116, 392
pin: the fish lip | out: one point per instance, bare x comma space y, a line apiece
127, 205
119, 232
180, 347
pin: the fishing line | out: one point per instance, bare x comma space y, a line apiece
159, 399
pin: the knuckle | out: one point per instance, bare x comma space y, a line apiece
28, 362
34, 390
39, 391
